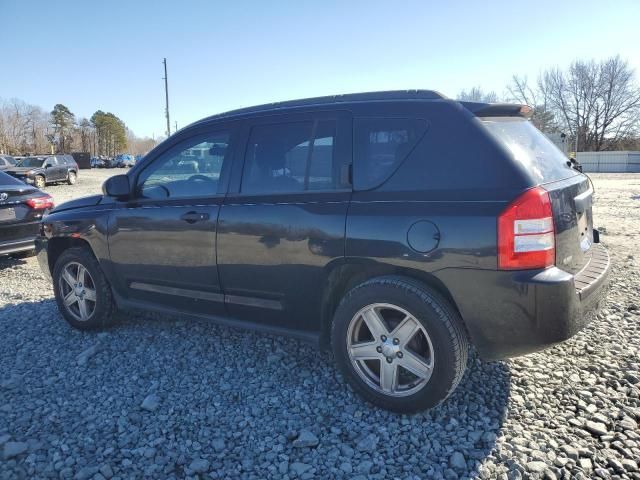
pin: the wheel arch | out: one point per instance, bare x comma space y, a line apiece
57, 245
348, 275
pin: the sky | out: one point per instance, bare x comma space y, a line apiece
223, 55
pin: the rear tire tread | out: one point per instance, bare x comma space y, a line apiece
445, 313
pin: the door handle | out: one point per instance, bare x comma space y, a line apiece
193, 217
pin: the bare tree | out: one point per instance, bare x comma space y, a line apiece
476, 94
599, 102
520, 91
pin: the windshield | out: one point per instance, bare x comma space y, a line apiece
30, 162
529, 146
9, 159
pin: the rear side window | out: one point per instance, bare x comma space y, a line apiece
381, 144
290, 157
530, 147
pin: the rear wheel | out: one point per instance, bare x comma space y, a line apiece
400, 344
39, 181
82, 292
71, 178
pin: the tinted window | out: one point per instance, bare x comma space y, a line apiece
537, 154
190, 169
290, 157
380, 145
31, 162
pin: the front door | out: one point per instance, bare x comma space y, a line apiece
281, 227
162, 242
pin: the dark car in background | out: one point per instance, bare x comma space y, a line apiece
21, 209
397, 227
7, 161
44, 169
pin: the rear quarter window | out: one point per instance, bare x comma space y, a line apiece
541, 159
380, 146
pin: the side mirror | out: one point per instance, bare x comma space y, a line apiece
117, 186
48, 165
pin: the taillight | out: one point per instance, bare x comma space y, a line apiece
40, 203
526, 235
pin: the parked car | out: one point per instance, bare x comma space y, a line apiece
6, 161
45, 169
97, 162
21, 209
397, 227
125, 161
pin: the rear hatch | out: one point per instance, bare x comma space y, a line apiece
570, 191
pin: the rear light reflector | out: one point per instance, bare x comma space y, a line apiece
40, 203
526, 234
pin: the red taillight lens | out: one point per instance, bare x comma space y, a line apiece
526, 235
40, 203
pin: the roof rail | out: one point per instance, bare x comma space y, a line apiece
332, 99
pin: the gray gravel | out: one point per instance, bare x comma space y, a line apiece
162, 397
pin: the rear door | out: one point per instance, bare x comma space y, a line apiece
162, 241
570, 191
281, 227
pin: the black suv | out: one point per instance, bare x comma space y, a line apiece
40, 170
396, 227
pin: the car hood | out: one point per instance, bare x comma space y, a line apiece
78, 203
22, 170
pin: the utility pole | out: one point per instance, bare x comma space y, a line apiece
166, 95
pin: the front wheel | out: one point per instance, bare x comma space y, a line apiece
400, 344
39, 181
81, 289
71, 178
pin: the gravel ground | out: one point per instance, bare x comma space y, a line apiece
164, 397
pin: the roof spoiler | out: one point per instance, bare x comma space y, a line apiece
498, 109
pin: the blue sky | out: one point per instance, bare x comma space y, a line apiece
222, 55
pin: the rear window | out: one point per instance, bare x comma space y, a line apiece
530, 147
9, 180
381, 144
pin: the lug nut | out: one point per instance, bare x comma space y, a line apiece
383, 338
379, 349
396, 341
399, 354
389, 359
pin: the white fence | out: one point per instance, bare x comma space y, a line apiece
609, 161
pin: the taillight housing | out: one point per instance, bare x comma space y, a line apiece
40, 203
526, 233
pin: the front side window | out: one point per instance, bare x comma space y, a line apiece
381, 144
190, 169
290, 157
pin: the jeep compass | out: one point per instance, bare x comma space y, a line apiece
396, 227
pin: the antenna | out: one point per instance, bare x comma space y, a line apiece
166, 95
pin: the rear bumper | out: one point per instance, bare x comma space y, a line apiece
26, 233
514, 313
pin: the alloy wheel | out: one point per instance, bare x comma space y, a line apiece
78, 291
390, 349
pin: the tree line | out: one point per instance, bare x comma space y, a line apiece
28, 129
597, 101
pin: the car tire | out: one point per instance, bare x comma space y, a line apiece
425, 366
71, 177
99, 307
39, 181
